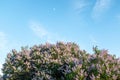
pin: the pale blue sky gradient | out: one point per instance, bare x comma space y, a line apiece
85, 22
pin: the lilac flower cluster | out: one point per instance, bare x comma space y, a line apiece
60, 61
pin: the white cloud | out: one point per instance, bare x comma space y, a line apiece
100, 7
80, 5
40, 31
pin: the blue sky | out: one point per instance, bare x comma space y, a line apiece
85, 22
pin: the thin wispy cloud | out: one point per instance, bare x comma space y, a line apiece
101, 6
44, 34
80, 5
38, 29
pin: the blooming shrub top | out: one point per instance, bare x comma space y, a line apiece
60, 61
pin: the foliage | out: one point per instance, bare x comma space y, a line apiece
60, 61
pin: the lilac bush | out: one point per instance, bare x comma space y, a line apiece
60, 61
